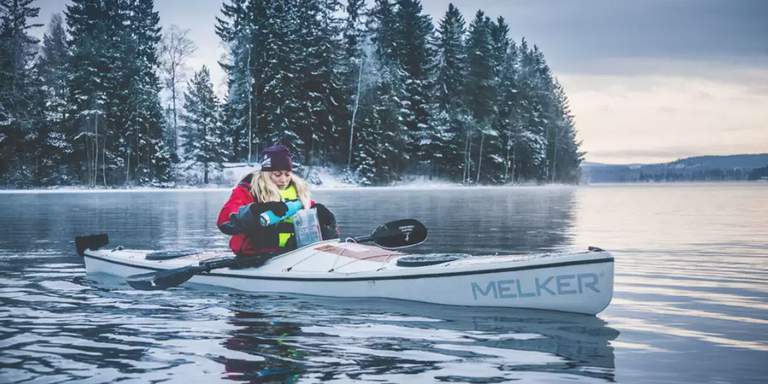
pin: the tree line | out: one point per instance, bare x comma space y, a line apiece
378, 91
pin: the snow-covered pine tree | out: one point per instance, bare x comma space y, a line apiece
532, 148
294, 67
415, 55
241, 28
55, 139
203, 136
114, 91
379, 146
379, 143
451, 115
281, 73
19, 115
566, 157
351, 65
479, 92
509, 106
86, 82
382, 27
491, 160
319, 90
151, 152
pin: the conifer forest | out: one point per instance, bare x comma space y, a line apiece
375, 89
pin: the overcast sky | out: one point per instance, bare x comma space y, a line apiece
648, 81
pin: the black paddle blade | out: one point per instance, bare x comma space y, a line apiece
400, 233
93, 242
162, 279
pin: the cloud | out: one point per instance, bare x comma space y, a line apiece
653, 118
586, 35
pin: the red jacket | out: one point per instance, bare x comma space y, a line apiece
253, 244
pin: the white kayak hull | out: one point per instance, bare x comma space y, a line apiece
577, 282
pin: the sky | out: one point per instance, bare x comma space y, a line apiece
648, 81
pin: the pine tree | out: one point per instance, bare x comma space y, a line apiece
480, 110
492, 158
479, 91
450, 118
151, 152
114, 91
415, 56
379, 153
18, 113
532, 148
566, 155
379, 148
280, 78
321, 107
203, 136
509, 106
382, 26
355, 39
238, 29
54, 138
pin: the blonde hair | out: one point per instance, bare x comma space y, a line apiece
265, 190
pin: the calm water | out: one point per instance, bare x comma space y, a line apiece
690, 304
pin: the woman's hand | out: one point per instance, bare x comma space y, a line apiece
279, 208
328, 226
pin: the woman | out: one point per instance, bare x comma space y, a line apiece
267, 190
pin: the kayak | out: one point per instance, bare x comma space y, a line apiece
579, 282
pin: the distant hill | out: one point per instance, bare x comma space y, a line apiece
699, 168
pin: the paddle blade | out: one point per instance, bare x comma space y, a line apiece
162, 279
400, 233
93, 242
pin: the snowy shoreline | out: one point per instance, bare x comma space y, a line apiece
350, 187
334, 187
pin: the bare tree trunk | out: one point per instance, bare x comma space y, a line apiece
104, 160
480, 158
88, 157
250, 105
467, 146
128, 166
514, 164
506, 159
554, 159
95, 149
173, 101
354, 113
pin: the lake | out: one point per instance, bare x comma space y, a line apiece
690, 302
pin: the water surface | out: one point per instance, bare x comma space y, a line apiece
689, 307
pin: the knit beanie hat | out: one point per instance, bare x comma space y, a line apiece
276, 158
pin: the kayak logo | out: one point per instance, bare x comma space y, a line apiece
572, 284
406, 230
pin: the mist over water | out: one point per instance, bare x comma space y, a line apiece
689, 305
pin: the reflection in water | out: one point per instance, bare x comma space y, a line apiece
382, 340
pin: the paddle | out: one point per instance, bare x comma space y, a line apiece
92, 242
395, 234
